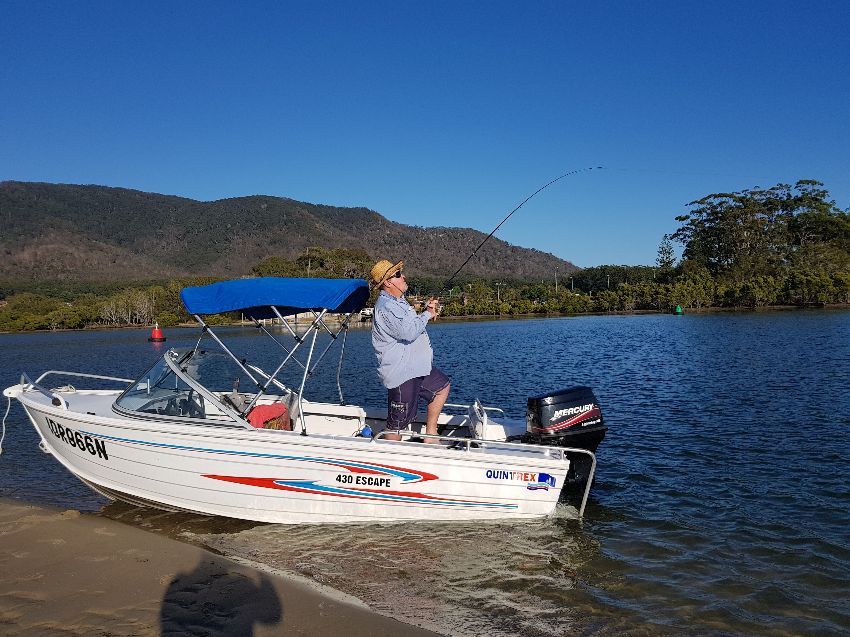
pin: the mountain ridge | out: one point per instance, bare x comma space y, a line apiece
84, 233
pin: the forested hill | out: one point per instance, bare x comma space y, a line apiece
94, 233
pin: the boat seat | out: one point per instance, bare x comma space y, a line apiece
477, 419
235, 400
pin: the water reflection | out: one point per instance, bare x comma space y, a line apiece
498, 578
177, 525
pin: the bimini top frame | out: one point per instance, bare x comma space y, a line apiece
276, 297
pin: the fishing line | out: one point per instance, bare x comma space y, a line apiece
487, 238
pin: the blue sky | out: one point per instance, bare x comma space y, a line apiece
436, 113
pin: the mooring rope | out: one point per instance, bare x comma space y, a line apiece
3, 433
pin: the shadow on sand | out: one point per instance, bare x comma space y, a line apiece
214, 600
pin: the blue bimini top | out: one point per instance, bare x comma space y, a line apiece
255, 297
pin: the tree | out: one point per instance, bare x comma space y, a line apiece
764, 232
32, 303
167, 319
64, 318
334, 263
275, 266
810, 287
110, 312
608, 277
666, 259
841, 285
819, 233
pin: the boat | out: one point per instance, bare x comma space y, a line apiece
208, 432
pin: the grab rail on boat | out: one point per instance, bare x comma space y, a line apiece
81, 375
55, 398
545, 449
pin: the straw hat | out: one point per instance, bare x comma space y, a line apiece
383, 270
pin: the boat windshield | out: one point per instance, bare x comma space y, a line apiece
162, 392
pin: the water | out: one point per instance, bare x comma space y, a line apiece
722, 497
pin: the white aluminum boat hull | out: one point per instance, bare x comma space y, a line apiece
284, 477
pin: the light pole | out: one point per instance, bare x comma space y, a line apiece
498, 295
609, 281
556, 281
572, 287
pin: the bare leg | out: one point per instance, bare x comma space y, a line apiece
391, 437
434, 409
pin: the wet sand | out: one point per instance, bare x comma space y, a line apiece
63, 572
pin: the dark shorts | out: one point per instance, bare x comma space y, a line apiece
403, 401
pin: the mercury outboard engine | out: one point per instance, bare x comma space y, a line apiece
567, 418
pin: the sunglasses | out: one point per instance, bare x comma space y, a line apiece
397, 275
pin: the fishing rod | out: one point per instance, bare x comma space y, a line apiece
487, 238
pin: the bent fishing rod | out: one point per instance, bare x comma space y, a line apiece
487, 238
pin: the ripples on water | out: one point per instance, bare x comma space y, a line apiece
720, 508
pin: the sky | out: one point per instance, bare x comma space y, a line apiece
438, 113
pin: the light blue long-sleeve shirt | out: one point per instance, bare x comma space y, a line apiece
400, 340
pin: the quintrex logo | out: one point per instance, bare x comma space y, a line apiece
536, 481
571, 411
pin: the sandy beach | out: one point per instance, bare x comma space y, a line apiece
63, 572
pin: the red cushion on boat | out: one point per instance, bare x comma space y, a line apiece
261, 414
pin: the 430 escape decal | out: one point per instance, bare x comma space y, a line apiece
354, 485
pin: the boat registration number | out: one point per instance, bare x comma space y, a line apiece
83, 442
367, 481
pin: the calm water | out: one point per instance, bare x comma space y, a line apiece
721, 505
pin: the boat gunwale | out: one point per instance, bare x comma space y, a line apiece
489, 451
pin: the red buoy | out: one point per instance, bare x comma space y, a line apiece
156, 335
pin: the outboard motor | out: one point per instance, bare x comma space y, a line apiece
567, 418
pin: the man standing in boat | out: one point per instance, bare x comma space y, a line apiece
405, 358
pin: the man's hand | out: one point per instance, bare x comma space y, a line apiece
433, 306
